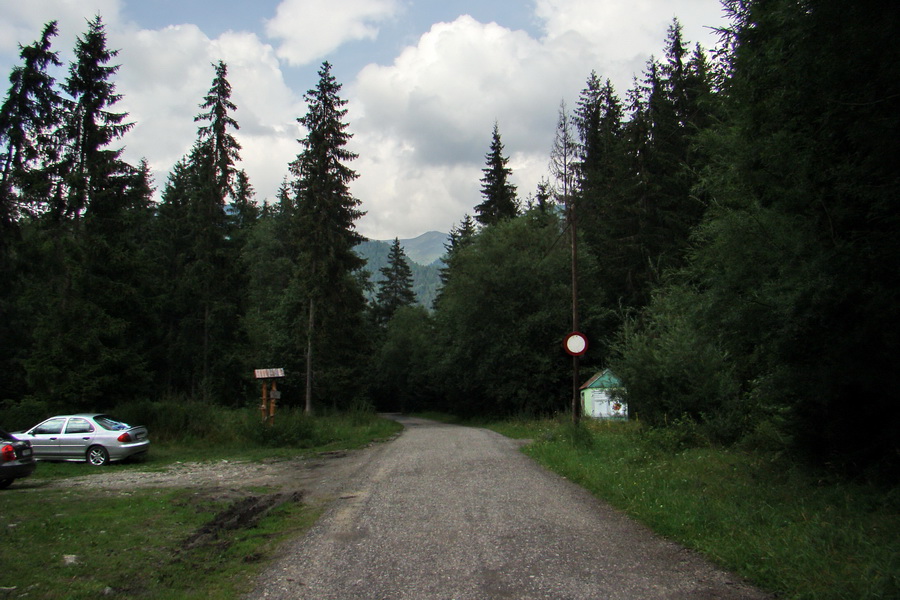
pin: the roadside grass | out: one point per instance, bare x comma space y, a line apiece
800, 534
163, 543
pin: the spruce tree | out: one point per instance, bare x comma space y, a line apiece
92, 172
396, 287
222, 149
199, 255
28, 117
461, 235
90, 317
324, 216
604, 185
800, 255
499, 194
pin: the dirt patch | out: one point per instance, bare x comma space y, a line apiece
244, 513
316, 476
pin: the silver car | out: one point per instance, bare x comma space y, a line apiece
96, 438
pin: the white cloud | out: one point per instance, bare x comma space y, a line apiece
431, 112
310, 29
427, 117
623, 35
434, 108
170, 71
25, 20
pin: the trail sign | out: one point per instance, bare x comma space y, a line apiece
269, 373
270, 393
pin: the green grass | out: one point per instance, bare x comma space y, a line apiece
136, 544
76, 544
800, 534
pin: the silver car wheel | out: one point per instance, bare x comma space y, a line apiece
97, 456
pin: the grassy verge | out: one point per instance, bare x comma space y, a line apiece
799, 534
161, 544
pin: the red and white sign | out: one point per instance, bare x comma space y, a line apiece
576, 343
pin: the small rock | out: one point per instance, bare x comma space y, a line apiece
70, 559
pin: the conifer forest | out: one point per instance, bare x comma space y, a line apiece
736, 214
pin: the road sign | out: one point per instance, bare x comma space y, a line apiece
575, 343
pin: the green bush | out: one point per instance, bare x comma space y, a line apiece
182, 420
673, 373
290, 428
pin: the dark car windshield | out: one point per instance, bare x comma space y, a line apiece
107, 422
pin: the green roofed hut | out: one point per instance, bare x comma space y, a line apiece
598, 397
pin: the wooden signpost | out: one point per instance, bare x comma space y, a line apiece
270, 393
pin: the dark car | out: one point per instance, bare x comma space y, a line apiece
16, 459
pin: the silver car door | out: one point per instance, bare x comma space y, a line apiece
75, 439
44, 437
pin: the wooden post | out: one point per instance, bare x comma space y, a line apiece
273, 396
264, 407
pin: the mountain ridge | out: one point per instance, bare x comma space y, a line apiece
425, 249
424, 254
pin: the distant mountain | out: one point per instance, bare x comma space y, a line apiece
424, 254
426, 249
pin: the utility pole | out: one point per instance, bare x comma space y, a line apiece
562, 166
576, 405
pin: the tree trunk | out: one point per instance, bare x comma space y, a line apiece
309, 355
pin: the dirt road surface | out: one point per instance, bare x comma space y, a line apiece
456, 513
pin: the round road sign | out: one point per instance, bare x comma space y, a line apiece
576, 343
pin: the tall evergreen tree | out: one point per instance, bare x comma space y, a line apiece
324, 216
655, 206
396, 287
800, 251
461, 235
199, 254
499, 194
94, 175
28, 116
89, 314
603, 175
221, 147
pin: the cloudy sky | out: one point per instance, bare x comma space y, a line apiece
425, 81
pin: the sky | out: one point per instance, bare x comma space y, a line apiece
425, 81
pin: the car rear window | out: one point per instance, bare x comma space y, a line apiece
107, 422
5, 436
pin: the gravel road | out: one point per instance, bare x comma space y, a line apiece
456, 513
